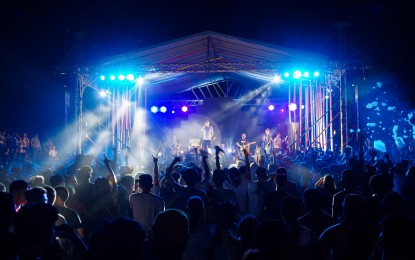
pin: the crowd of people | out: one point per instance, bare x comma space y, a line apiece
21, 149
306, 204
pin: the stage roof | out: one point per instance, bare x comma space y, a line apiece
184, 65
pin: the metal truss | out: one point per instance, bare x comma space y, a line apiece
202, 67
188, 103
250, 102
260, 102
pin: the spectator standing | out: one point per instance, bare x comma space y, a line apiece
36, 148
144, 205
71, 216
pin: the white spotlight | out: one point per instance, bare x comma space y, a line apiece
277, 79
297, 74
130, 77
293, 106
154, 109
140, 81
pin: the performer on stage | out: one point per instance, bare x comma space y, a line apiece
175, 146
242, 144
207, 131
243, 141
267, 141
277, 143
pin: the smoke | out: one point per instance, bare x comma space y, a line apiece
379, 145
398, 139
411, 120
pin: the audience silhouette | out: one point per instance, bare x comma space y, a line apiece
299, 206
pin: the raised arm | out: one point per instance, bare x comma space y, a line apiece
156, 172
111, 176
217, 158
170, 170
248, 165
206, 168
197, 161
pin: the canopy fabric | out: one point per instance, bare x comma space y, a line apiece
180, 65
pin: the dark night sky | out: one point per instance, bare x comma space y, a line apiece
37, 38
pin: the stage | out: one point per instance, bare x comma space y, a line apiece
239, 86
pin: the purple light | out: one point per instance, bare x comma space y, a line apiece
184, 108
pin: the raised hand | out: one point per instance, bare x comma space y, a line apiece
218, 150
155, 159
204, 154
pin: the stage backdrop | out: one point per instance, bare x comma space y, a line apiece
229, 120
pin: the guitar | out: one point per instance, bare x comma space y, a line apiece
285, 140
278, 142
241, 147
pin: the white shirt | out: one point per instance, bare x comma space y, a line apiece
53, 153
145, 207
242, 195
255, 200
198, 242
207, 132
35, 142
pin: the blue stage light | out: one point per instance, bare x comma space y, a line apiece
154, 109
